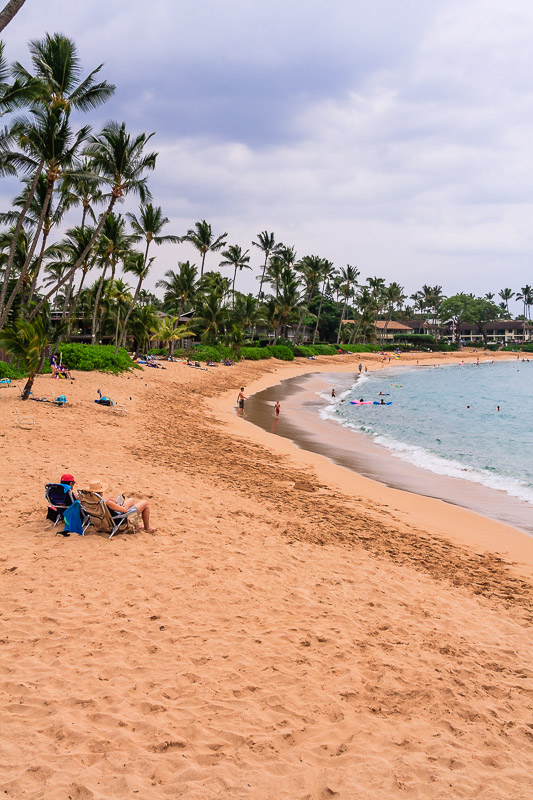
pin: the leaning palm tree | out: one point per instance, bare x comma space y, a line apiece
54, 87
119, 294
26, 341
121, 162
113, 246
234, 257
201, 237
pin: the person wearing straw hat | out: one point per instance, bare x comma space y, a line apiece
141, 506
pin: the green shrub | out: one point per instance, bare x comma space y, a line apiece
94, 357
420, 339
8, 371
255, 353
323, 349
281, 352
159, 351
302, 352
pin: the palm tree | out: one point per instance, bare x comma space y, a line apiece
234, 257
147, 226
48, 140
290, 300
113, 246
267, 243
526, 296
26, 341
214, 283
169, 331
56, 87
326, 274
179, 287
348, 281
211, 315
393, 296
247, 311
121, 163
136, 264
120, 295
201, 237
506, 295
142, 325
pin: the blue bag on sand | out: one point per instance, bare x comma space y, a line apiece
72, 517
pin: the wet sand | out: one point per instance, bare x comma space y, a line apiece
301, 423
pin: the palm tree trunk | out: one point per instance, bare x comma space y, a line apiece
234, 277
12, 249
318, 318
97, 303
27, 389
202, 268
46, 233
80, 260
133, 302
117, 329
342, 318
77, 296
9, 11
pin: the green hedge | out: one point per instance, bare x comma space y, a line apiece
7, 371
255, 353
94, 357
281, 351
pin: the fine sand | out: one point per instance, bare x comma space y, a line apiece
292, 630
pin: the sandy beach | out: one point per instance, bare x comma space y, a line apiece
291, 630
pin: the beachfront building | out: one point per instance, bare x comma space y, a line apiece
386, 330
503, 331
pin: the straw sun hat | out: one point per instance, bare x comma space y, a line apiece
95, 486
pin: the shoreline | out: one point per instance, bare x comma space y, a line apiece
303, 424
455, 523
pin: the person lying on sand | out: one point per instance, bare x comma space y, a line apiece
141, 506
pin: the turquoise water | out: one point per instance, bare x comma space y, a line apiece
428, 423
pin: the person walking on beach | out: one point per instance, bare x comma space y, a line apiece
360, 368
333, 393
240, 402
277, 409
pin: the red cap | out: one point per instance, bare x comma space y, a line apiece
67, 478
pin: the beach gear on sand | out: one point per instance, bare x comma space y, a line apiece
73, 519
104, 401
59, 497
102, 519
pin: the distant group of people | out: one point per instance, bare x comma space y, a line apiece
59, 370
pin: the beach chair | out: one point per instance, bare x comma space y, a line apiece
60, 497
5, 383
23, 420
104, 520
119, 409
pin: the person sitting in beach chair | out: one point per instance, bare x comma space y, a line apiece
109, 516
62, 499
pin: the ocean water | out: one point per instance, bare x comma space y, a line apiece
430, 425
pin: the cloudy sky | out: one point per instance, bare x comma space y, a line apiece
396, 137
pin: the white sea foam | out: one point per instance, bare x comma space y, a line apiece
442, 466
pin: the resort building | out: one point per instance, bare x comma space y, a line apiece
503, 331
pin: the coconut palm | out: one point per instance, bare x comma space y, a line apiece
506, 295
526, 296
247, 311
114, 245
211, 316
326, 274
119, 293
348, 280
46, 139
201, 237
234, 257
170, 331
142, 325
393, 297
54, 88
179, 287
214, 282
26, 341
136, 264
267, 243
119, 159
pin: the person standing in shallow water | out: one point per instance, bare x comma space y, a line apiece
240, 402
277, 408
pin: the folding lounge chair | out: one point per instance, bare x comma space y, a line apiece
104, 520
59, 498
23, 421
